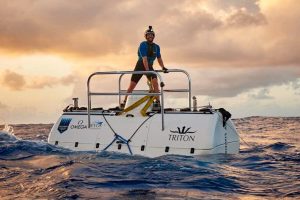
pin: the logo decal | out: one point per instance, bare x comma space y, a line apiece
81, 125
183, 130
64, 124
96, 124
182, 134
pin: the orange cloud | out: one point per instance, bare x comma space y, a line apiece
40, 82
13, 80
203, 33
242, 18
16, 81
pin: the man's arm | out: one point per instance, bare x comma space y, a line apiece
161, 63
145, 61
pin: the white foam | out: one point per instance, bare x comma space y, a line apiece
7, 133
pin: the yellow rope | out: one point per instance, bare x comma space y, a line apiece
135, 104
142, 100
148, 104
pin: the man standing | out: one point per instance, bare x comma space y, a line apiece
148, 51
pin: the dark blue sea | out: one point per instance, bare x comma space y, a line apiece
267, 167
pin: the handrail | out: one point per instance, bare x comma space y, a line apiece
89, 93
120, 92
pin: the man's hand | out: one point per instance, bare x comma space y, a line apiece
165, 70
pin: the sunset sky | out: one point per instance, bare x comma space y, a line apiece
242, 55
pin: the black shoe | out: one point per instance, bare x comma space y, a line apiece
122, 105
156, 106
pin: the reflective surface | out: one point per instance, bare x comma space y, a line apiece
267, 167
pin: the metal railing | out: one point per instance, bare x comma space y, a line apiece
120, 92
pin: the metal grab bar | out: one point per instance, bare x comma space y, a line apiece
125, 93
121, 92
89, 93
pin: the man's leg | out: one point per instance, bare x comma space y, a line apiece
135, 78
130, 89
155, 87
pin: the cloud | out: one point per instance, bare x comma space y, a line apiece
296, 86
229, 5
62, 27
261, 94
40, 82
203, 33
242, 18
18, 82
216, 82
13, 80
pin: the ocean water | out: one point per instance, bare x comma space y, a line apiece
267, 167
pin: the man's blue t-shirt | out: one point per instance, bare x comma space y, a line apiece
152, 51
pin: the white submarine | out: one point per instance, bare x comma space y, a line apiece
143, 129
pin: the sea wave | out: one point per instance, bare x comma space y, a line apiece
267, 167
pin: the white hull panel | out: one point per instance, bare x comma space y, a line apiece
185, 133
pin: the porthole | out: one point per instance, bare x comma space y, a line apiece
192, 150
167, 149
97, 145
142, 147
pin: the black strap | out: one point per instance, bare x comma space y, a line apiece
129, 140
225, 114
150, 52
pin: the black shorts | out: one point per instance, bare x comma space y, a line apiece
140, 67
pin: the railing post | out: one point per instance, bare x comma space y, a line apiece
162, 106
89, 111
190, 93
89, 100
120, 77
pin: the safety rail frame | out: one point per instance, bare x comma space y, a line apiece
119, 93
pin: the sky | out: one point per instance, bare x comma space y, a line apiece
242, 55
